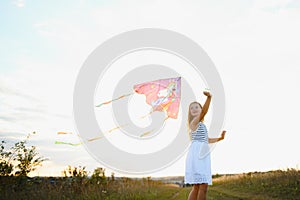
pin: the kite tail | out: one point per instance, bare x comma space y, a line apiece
68, 143
120, 97
146, 133
109, 131
63, 133
147, 114
89, 140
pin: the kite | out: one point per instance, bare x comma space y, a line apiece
162, 95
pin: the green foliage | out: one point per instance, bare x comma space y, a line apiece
98, 176
6, 166
20, 159
78, 172
27, 157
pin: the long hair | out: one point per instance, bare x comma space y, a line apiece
190, 115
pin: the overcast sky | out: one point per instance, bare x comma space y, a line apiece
254, 45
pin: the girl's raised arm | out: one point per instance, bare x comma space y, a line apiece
205, 106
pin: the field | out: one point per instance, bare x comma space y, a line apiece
254, 185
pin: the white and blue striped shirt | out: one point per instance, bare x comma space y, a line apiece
200, 134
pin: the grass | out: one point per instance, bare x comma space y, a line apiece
261, 185
255, 185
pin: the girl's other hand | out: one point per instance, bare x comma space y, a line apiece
222, 135
207, 94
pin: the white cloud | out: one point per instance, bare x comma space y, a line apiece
19, 3
271, 3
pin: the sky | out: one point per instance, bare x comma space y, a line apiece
254, 45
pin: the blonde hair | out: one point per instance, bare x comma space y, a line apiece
190, 115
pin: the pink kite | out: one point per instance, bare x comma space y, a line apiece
162, 95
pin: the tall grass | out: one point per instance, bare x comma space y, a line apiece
277, 184
253, 185
74, 188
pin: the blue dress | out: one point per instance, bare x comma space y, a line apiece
198, 164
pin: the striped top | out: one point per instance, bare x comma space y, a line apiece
200, 134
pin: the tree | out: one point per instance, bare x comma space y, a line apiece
20, 158
6, 167
28, 158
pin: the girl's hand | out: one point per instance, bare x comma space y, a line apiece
222, 135
207, 94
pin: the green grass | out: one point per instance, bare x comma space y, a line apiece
261, 185
256, 185
273, 185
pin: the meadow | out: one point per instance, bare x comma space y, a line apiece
272, 185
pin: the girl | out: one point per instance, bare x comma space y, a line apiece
197, 169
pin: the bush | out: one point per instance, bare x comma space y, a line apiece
20, 159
